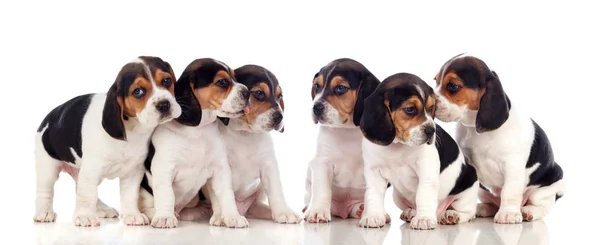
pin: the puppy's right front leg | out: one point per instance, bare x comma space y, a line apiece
225, 212
319, 209
87, 193
164, 198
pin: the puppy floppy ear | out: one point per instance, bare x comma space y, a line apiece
493, 106
191, 113
112, 114
224, 120
376, 123
367, 86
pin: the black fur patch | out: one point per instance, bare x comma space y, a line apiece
448, 151
64, 128
548, 171
147, 163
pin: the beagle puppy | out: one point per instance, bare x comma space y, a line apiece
109, 132
335, 182
189, 152
510, 151
403, 146
250, 148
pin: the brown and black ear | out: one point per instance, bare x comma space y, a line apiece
367, 86
224, 120
112, 114
376, 122
493, 106
191, 112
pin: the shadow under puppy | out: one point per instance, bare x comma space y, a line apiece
250, 148
403, 146
104, 136
511, 152
335, 182
189, 152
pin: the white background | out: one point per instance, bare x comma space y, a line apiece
545, 54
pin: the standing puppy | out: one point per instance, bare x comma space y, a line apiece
104, 135
250, 148
512, 154
404, 146
188, 151
335, 181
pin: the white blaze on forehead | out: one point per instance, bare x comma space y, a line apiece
269, 78
421, 93
326, 78
223, 65
147, 70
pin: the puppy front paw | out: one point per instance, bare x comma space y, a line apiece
508, 217
374, 220
423, 223
135, 219
164, 220
317, 215
230, 221
286, 217
44, 216
86, 220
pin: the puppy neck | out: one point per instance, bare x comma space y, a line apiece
238, 125
133, 125
469, 118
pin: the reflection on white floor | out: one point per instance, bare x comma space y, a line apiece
480, 232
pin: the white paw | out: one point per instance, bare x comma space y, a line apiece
44, 216
317, 215
408, 214
423, 223
86, 220
135, 219
287, 217
164, 221
485, 210
375, 220
231, 221
508, 217
106, 212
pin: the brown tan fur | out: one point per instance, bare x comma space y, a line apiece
404, 122
318, 80
430, 103
132, 104
159, 75
344, 104
278, 94
258, 107
211, 97
464, 96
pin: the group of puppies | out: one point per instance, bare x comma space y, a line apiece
179, 147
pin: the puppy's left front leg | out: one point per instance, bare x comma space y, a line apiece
374, 215
130, 191
511, 196
227, 214
427, 194
90, 174
281, 212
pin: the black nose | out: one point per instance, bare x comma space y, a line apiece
429, 131
163, 106
246, 94
277, 118
318, 109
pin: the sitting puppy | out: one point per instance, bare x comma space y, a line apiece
189, 152
512, 154
404, 146
104, 135
254, 169
335, 182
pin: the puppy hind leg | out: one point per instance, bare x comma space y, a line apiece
541, 201
463, 209
489, 204
408, 212
47, 172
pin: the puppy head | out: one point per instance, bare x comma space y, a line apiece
400, 110
144, 90
266, 99
467, 83
338, 92
208, 84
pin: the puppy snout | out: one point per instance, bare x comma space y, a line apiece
163, 106
429, 131
277, 118
318, 109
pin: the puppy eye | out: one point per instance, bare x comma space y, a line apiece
317, 87
340, 89
167, 82
259, 95
453, 88
411, 111
222, 83
139, 92
431, 108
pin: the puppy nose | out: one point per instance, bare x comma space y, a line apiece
277, 118
318, 109
246, 94
429, 131
163, 106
